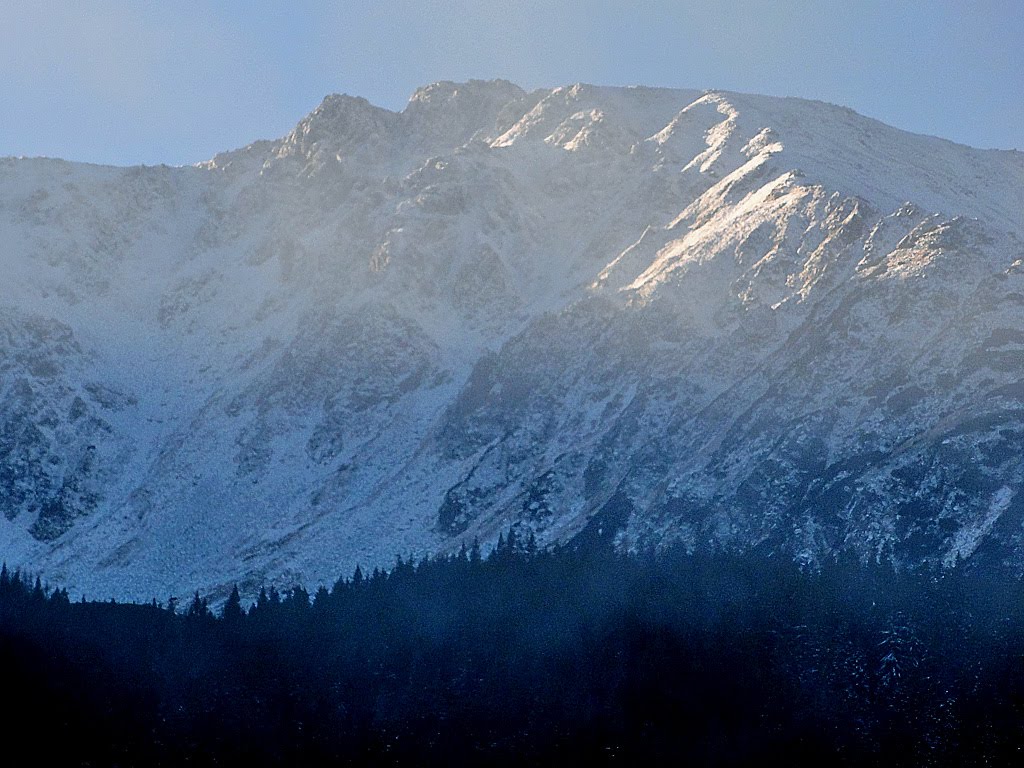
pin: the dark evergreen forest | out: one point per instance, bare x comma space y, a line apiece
567, 656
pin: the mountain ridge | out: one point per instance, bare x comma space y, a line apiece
384, 334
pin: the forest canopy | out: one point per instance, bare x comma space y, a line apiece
530, 657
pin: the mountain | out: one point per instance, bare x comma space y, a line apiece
641, 315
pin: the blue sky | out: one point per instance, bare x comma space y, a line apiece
145, 82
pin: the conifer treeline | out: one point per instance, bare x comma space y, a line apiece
530, 657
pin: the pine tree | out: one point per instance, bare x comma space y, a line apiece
322, 599
512, 542
273, 598
296, 600
232, 612
199, 608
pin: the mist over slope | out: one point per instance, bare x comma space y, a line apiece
654, 316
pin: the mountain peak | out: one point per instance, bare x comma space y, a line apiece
447, 114
341, 123
338, 111
446, 91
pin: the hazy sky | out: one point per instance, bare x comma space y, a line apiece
146, 82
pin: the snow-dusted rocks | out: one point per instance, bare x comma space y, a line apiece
650, 315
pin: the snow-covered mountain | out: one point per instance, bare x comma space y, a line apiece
653, 315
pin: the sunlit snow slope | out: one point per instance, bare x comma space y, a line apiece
645, 315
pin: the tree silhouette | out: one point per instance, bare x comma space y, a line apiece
232, 612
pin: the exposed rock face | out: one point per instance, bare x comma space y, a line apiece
652, 315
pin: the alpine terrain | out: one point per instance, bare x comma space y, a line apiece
635, 315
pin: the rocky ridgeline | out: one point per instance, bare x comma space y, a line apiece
636, 314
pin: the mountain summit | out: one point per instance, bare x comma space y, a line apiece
641, 315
